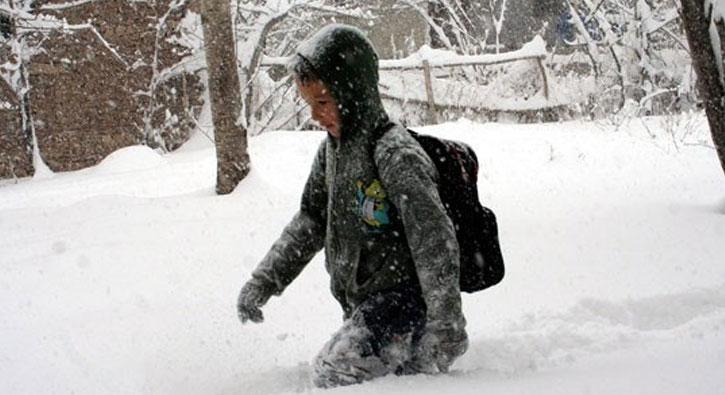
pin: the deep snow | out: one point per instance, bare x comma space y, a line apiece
123, 278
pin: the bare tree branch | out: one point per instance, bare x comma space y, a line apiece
65, 6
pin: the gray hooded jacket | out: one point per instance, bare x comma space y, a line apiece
371, 199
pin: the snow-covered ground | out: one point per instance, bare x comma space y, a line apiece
123, 278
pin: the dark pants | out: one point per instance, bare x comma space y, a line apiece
379, 338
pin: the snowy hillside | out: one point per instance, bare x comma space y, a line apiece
123, 278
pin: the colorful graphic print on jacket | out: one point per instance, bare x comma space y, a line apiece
373, 205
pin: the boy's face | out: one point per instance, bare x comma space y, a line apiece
322, 105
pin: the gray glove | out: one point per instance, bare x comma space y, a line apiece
251, 298
439, 346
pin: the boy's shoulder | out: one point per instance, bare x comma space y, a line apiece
396, 137
397, 144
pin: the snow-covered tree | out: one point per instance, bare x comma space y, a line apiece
636, 51
16, 144
704, 22
161, 72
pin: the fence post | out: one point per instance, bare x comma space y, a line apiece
542, 70
429, 92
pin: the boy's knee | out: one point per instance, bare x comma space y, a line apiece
331, 373
338, 370
347, 359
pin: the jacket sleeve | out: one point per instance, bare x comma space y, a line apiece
409, 178
301, 239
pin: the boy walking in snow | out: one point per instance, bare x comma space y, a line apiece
371, 201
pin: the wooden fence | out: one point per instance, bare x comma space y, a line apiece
427, 60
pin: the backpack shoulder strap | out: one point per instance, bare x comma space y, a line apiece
377, 135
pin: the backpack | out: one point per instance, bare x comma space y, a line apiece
476, 230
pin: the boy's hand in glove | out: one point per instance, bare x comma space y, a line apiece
439, 346
251, 298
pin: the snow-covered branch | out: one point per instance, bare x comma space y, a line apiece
102, 40
317, 6
160, 75
63, 26
29, 22
15, 12
653, 24
65, 6
498, 24
433, 25
189, 64
357, 14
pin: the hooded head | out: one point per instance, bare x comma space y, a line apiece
344, 60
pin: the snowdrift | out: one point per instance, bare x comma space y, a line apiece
123, 278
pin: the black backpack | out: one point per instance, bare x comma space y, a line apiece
475, 225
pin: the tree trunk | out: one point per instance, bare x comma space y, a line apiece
230, 137
696, 20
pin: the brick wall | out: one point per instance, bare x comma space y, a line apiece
86, 103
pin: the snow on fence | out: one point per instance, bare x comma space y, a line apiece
426, 59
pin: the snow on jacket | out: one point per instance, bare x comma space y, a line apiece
371, 199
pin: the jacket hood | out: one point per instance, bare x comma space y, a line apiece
346, 62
